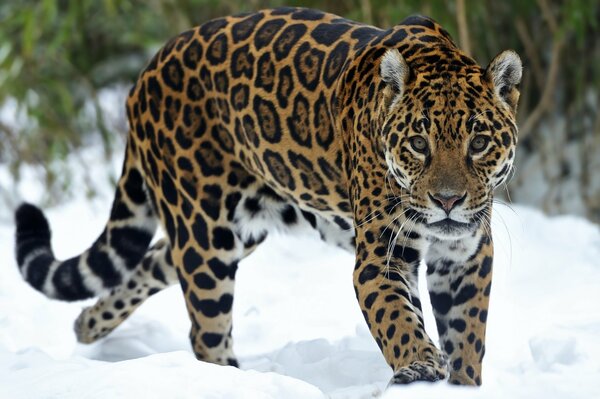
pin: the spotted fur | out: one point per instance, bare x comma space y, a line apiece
388, 142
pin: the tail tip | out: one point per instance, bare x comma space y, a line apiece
31, 220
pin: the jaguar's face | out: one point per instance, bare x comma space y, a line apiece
449, 141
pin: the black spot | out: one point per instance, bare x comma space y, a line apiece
242, 62
209, 28
369, 303
311, 181
465, 294
390, 331
364, 35
204, 281
441, 303
405, 339
407, 254
168, 188
134, 187
191, 260
483, 316
265, 76
448, 347
289, 216
487, 290
334, 63
252, 205
306, 14
242, 30
209, 159
172, 74
279, 169
310, 218
220, 269
266, 32
486, 267
285, 86
457, 364
283, 10
505, 139
192, 55
239, 96
298, 123
419, 20
458, 324
308, 62
223, 137
368, 273
182, 233
287, 39
226, 302
185, 164
327, 34
223, 238
268, 119
200, 231
380, 313
212, 340
216, 53
470, 372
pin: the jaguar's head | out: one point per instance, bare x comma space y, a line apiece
449, 136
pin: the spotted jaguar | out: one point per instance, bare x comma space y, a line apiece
389, 143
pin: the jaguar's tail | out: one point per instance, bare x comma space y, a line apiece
107, 263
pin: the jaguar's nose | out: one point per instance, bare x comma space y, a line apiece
447, 201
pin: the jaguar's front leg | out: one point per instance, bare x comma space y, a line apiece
459, 276
386, 289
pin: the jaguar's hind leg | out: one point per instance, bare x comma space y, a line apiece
153, 274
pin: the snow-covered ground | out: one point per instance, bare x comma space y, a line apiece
298, 331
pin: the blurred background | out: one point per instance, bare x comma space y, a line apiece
66, 66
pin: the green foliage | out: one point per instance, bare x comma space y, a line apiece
56, 56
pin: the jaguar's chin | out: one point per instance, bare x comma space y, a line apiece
449, 229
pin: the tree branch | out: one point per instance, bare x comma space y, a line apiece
549, 90
537, 71
463, 28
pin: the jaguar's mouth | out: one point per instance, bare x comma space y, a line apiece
451, 227
446, 228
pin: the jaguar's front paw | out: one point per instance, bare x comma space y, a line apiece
432, 368
419, 371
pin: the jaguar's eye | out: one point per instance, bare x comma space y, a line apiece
479, 143
419, 144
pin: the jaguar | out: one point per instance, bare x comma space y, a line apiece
388, 142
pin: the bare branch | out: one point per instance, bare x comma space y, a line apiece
549, 89
537, 71
548, 16
463, 27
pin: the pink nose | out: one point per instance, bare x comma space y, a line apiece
447, 202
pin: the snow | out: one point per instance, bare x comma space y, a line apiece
298, 329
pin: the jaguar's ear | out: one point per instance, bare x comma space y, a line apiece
394, 71
505, 73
